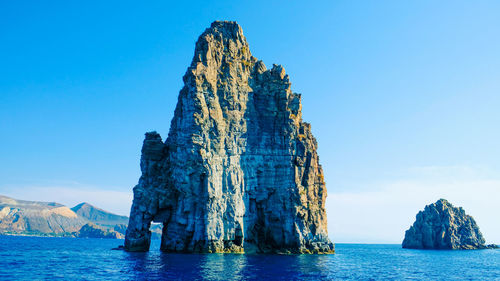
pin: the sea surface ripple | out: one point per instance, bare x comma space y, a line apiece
38, 258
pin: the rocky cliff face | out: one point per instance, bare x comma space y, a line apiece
239, 171
442, 226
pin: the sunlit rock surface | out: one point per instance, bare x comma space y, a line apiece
239, 170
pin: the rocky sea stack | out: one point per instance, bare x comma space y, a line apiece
239, 170
442, 226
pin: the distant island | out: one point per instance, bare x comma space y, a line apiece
33, 218
441, 226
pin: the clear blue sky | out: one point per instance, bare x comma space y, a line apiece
402, 96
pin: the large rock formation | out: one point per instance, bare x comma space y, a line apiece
239, 171
443, 226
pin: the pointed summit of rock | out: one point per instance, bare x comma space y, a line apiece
239, 170
222, 42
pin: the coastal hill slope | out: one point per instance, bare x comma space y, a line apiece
91, 230
239, 170
21, 217
35, 218
98, 216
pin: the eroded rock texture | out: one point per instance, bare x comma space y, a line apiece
442, 226
239, 171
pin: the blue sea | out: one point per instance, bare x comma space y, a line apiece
38, 258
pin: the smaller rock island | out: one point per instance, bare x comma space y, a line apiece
442, 226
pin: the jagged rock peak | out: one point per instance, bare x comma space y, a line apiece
239, 170
229, 30
442, 226
222, 38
